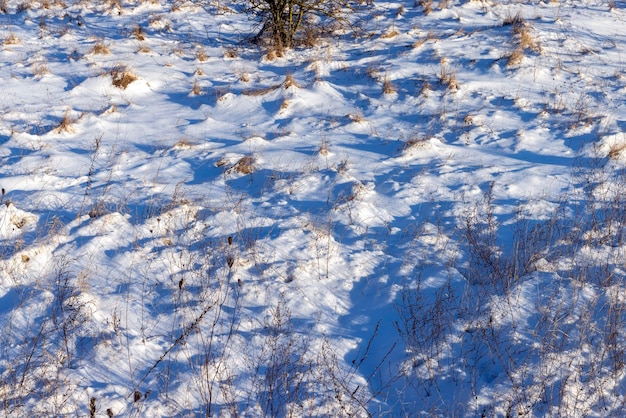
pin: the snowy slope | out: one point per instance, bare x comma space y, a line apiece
424, 216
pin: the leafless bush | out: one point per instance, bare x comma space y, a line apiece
283, 21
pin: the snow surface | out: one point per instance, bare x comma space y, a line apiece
234, 235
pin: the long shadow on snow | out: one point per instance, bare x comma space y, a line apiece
373, 317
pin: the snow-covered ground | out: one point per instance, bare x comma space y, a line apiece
424, 216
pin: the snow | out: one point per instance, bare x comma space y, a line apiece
231, 234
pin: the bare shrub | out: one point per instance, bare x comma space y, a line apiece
283, 21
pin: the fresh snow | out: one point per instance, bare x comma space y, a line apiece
233, 234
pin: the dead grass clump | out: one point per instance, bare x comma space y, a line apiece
290, 81
418, 43
184, 143
100, 49
414, 142
324, 147
527, 41
122, 77
196, 89
260, 92
245, 77
201, 55
515, 58
388, 86
40, 69
230, 53
517, 21
427, 5
390, 34
272, 54
139, 34
11, 40
244, 166
447, 78
617, 151
284, 105
356, 117
66, 123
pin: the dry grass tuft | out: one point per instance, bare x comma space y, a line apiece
66, 123
390, 34
122, 77
617, 151
196, 89
427, 5
517, 21
272, 54
418, 43
290, 81
245, 77
388, 86
260, 92
100, 49
414, 142
526, 40
244, 166
139, 34
184, 143
447, 78
230, 53
11, 40
356, 117
40, 69
324, 147
201, 55
515, 58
